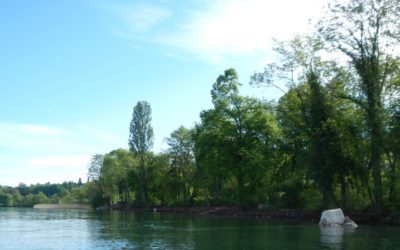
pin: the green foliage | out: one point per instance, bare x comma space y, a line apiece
6, 200
94, 194
324, 130
235, 142
40, 198
96, 163
182, 167
114, 176
366, 32
159, 184
141, 133
27, 196
140, 142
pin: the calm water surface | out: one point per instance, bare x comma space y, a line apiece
75, 229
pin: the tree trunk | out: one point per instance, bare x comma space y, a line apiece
143, 184
375, 122
343, 191
368, 69
392, 180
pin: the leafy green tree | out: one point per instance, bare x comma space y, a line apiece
47, 189
23, 189
79, 195
308, 114
6, 200
96, 162
17, 199
159, 184
114, 176
27, 201
327, 158
94, 189
291, 175
392, 151
140, 143
94, 193
241, 134
182, 167
40, 198
367, 33
209, 172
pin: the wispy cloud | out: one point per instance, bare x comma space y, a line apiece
30, 129
233, 28
138, 17
34, 153
48, 162
15, 135
218, 30
104, 136
16, 129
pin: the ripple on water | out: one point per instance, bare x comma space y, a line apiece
73, 229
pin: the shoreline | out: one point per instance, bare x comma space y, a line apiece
279, 214
237, 212
367, 218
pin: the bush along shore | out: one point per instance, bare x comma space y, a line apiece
27, 196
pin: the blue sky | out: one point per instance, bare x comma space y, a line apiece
72, 71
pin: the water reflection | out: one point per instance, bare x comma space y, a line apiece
170, 231
69, 229
332, 237
145, 230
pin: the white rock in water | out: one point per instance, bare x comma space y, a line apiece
349, 222
332, 217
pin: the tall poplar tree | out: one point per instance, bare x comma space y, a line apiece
140, 142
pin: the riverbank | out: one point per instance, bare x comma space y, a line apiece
240, 212
284, 214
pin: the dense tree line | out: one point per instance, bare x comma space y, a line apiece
332, 138
27, 196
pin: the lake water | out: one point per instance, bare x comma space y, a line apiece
79, 229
